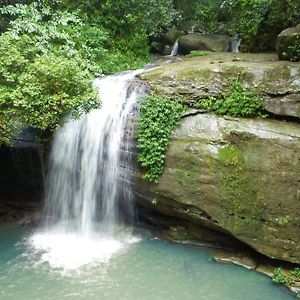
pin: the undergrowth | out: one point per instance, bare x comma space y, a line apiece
280, 277
286, 278
197, 53
237, 102
158, 117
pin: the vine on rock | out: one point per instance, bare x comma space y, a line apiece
158, 117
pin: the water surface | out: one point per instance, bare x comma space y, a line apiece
146, 269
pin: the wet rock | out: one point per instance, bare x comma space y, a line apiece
240, 258
207, 42
157, 47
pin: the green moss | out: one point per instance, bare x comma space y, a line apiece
196, 75
240, 191
231, 156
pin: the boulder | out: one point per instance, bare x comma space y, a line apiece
208, 42
172, 36
167, 50
276, 83
157, 47
239, 177
288, 44
236, 176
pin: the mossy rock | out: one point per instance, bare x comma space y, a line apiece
237, 176
275, 83
288, 44
207, 42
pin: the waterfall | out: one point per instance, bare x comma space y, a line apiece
235, 43
174, 51
83, 198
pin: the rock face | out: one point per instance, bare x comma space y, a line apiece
277, 83
288, 44
237, 176
22, 178
208, 42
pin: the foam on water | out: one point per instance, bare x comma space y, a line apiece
71, 251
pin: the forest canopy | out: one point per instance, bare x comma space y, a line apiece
52, 49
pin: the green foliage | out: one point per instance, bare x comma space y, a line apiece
51, 50
154, 201
258, 22
245, 18
127, 18
58, 85
296, 272
40, 92
238, 102
196, 53
158, 117
44, 73
280, 278
206, 13
293, 52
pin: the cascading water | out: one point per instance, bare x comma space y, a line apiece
235, 44
174, 51
82, 195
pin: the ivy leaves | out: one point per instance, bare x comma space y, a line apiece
158, 117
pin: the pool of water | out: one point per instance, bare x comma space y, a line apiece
146, 269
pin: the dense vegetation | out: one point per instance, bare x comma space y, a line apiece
287, 277
238, 101
158, 117
258, 22
51, 50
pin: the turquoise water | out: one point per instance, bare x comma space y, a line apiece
148, 269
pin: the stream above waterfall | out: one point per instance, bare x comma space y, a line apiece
144, 268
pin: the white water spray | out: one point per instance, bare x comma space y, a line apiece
174, 51
83, 196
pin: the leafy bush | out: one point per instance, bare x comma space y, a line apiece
238, 102
127, 18
293, 52
207, 14
158, 117
196, 53
280, 278
43, 74
257, 22
296, 272
41, 92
